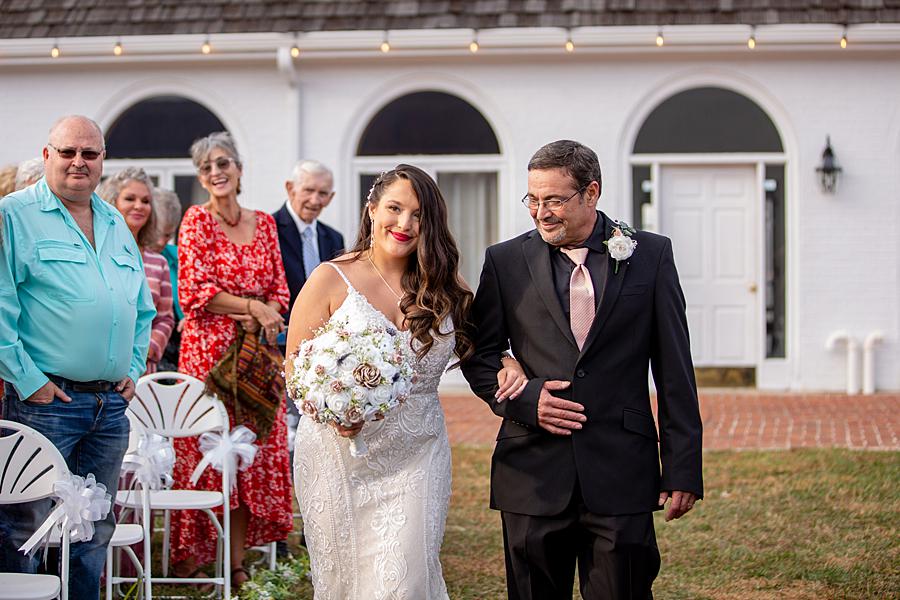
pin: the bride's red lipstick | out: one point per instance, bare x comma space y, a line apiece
400, 237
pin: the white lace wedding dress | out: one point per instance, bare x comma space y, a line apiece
374, 524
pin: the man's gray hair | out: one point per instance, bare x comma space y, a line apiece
202, 147
61, 120
313, 167
168, 208
28, 172
579, 161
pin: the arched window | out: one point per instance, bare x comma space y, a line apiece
160, 127
708, 171
428, 123
450, 139
707, 119
156, 134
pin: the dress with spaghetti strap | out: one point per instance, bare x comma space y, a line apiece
374, 524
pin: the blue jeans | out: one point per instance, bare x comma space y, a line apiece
91, 433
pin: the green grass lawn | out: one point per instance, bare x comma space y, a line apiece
786, 525
804, 524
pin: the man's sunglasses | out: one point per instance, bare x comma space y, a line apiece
70, 153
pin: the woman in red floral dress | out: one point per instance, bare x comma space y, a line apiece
230, 271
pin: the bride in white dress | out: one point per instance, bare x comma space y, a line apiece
374, 524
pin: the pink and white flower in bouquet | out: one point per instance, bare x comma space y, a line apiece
351, 371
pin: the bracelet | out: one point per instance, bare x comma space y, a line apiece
249, 300
504, 354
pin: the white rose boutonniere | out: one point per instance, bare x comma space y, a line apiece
620, 245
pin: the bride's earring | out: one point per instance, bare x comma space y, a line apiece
371, 232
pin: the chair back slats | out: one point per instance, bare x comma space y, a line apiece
8, 458
31, 464
175, 405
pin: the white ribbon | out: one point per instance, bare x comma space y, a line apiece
152, 462
81, 502
234, 451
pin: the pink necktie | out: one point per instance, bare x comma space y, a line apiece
581, 295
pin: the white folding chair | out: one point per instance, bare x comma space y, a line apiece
29, 466
177, 410
128, 534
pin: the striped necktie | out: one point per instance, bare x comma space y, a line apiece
581, 295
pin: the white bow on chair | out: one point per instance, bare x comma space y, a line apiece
152, 462
236, 450
81, 502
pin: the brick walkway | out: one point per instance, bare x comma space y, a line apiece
744, 420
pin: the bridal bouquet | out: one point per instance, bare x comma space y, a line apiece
352, 371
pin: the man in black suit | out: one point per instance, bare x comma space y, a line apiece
579, 468
305, 241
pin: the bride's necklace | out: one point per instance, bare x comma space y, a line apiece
228, 222
396, 295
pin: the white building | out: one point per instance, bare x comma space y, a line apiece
700, 137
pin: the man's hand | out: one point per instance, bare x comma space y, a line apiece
556, 415
46, 393
682, 502
126, 388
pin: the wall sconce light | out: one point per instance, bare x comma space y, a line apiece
829, 170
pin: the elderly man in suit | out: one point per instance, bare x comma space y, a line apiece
305, 241
585, 304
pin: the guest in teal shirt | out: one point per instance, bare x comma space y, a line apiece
67, 308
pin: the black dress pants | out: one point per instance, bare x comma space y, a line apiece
617, 556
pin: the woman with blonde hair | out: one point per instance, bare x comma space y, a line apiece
131, 192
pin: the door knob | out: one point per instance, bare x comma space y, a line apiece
752, 288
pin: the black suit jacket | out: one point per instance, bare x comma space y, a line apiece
331, 244
617, 458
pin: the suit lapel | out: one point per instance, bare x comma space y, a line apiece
325, 249
287, 230
537, 258
610, 293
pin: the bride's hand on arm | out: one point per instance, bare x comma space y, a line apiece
511, 379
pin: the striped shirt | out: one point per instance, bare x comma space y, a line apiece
157, 271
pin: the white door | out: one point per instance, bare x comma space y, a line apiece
710, 214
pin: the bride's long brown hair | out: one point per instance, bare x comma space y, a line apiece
431, 286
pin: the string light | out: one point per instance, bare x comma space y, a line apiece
751, 41
54, 51
473, 46
295, 51
844, 38
659, 38
570, 46
206, 48
117, 49
385, 45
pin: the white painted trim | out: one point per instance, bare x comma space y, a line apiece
878, 37
724, 158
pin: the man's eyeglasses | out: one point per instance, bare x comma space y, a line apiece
552, 204
222, 163
70, 153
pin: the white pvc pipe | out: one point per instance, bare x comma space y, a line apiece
869, 360
852, 357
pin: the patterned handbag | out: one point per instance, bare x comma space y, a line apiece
248, 378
